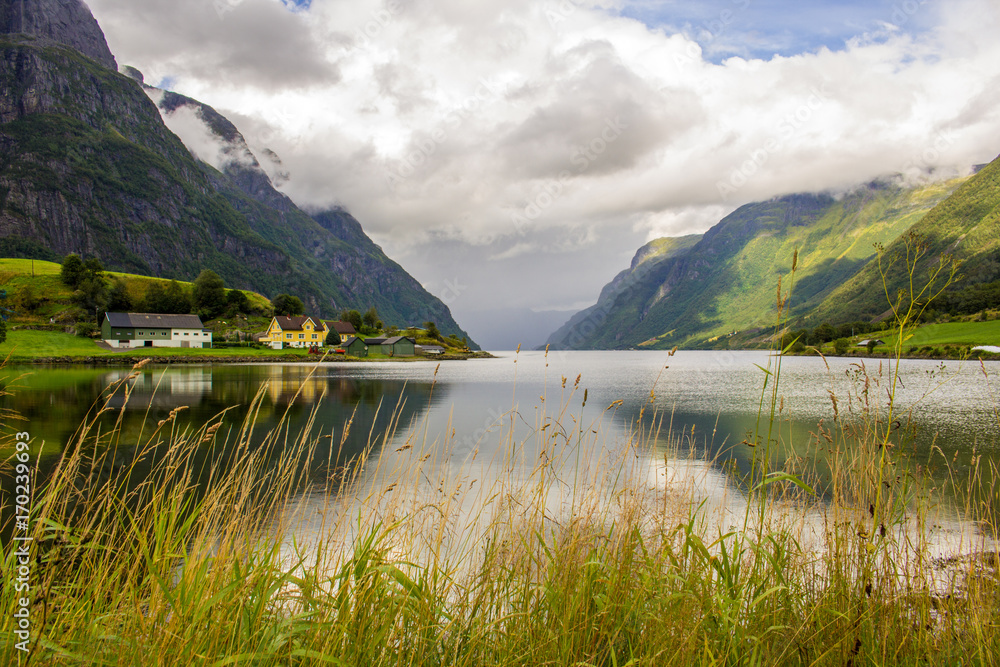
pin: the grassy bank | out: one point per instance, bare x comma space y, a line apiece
559, 552
951, 340
30, 346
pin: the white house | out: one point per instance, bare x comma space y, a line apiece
129, 330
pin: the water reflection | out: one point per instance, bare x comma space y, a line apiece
484, 412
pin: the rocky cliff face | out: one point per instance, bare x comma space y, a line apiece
67, 22
87, 165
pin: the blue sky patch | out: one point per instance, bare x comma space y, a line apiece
166, 83
297, 5
765, 28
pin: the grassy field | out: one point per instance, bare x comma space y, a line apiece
29, 345
956, 333
54, 297
950, 339
33, 344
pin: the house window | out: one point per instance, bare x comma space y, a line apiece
314, 336
302, 336
288, 336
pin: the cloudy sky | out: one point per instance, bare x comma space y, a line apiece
515, 153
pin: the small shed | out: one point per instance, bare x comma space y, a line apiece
875, 341
399, 346
430, 349
355, 347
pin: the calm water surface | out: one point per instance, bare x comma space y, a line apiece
484, 406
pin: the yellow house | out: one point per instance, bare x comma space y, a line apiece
294, 332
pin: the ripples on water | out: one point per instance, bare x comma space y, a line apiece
488, 418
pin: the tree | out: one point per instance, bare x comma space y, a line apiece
288, 305
432, 330
72, 271
209, 294
824, 333
352, 316
170, 300
237, 302
371, 319
91, 295
840, 346
118, 296
25, 299
3, 330
94, 267
154, 298
332, 338
178, 299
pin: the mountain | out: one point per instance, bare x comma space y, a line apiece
692, 290
965, 226
89, 165
619, 296
65, 22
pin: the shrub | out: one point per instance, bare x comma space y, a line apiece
209, 294
287, 305
72, 271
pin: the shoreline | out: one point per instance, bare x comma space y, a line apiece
115, 360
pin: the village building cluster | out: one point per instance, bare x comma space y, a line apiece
130, 330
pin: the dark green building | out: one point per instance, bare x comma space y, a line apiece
400, 346
355, 347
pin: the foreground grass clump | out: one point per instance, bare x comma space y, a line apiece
565, 550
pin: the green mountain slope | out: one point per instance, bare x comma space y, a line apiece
966, 225
727, 280
87, 165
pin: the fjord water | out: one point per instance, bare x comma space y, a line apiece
460, 411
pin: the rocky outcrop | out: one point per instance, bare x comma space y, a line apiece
67, 22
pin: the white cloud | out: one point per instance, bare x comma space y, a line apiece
442, 120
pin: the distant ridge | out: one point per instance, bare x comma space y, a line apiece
694, 291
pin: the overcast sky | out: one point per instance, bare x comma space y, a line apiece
516, 153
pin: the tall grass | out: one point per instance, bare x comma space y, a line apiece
569, 547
